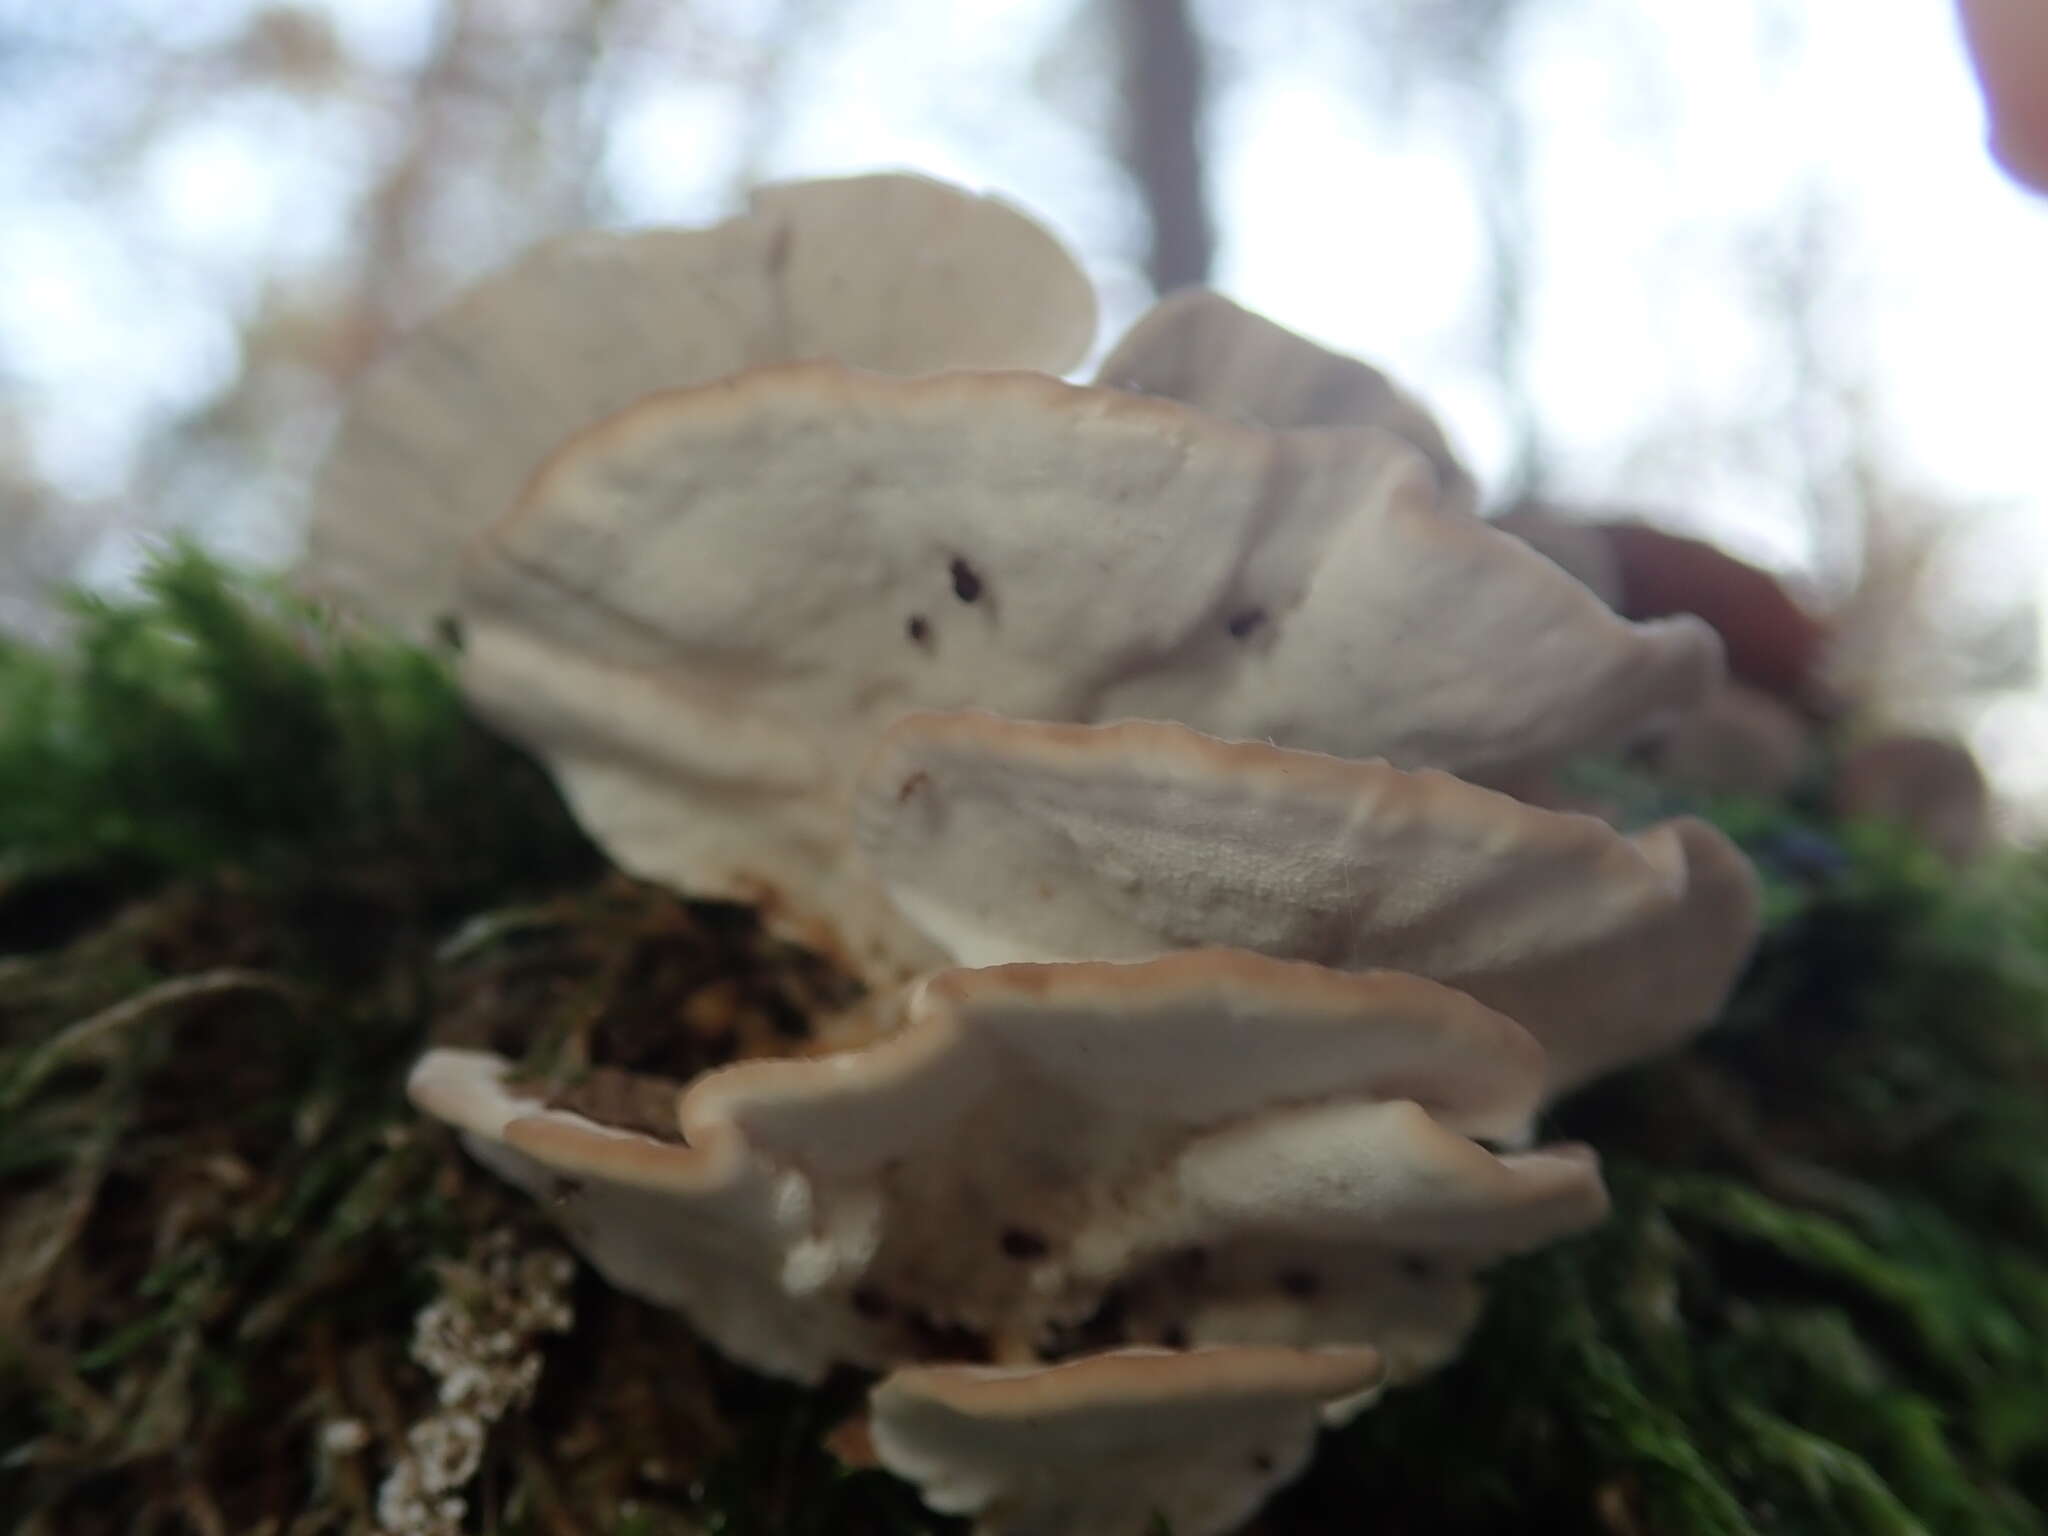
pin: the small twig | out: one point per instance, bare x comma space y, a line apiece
28, 1268
163, 997
51, 1370
1779, 1174
487, 928
201, 1511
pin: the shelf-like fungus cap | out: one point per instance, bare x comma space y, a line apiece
704, 611
1199, 347
1022, 1169
1009, 840
894, 273
1123, 1443
1575, 544
700, 1226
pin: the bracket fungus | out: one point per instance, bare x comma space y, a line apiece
1198, 347
704, 611
1124, 1440
895, 273
1107, 733
1035, 1148
1210, 1152
1018, 840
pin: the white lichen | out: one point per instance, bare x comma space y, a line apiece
480, 1339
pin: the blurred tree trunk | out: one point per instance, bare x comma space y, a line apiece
387, 268
1474, 46
1163, 116
1507, 215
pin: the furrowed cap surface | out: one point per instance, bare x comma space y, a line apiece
1035, 1140
705, 611
1113, 1444
1012, 840
892, 272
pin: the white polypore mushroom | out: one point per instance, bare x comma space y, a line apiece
895, 273
1008, 840
707, 608
1351, 1221
1042, 1159
1199, 347
1115, 1444
1580, 547
701, 1227
704, 612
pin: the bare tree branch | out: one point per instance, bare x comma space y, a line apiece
1164, 103
390, 247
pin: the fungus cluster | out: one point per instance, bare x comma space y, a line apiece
1108, 733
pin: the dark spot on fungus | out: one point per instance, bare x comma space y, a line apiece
563, 1190
1262, 1464
448, 630
1299, 1283
966, 580
1242, 624
870, 1303
1017, 1243
912, 785
1416, 1267
1173, 1336
918, 630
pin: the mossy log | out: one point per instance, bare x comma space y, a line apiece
251, 863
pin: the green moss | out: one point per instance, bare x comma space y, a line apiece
236, 846
1819, 1304
218, 722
